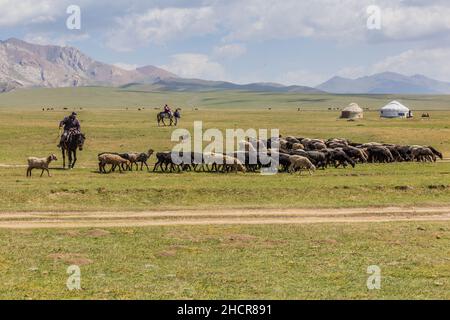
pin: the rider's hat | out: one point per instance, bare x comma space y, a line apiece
74, 113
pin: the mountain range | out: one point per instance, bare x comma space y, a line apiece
26, 65
386, 83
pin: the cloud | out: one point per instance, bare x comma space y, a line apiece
403, 22
230, 51
159, 26
22, 12
429, 62
237, 22
191, 65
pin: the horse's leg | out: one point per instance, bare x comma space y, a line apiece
64, 157
69, 155
42, 172
74, 158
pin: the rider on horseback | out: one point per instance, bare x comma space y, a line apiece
70, 124
167, 110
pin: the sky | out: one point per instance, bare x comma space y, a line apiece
303, 42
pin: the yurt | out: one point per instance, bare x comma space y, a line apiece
395, 109
353, 111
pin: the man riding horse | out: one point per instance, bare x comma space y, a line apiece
167, 113
71, 140
71, 125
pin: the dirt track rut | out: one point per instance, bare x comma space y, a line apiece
33, 220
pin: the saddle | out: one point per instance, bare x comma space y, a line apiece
65, 138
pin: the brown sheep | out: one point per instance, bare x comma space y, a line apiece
112, 159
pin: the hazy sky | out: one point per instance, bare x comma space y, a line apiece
289, 41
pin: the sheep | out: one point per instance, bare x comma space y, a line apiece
246, 146
135, 158
356, 154
143, 157
436, 152
259, 145
222, 162
298, 163
113, 159
165, 158
298, 146
338, 157
423, 154
40, 163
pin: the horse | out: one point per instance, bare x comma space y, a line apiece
173, 117
74, 142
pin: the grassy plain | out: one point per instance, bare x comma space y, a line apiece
266, 261
26, 130
318, 261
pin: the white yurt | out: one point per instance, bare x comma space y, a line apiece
353, 111
395, 109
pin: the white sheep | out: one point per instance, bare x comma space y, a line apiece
223, 162
40, 163
299, 162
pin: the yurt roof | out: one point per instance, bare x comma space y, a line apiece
353, 107
395, 105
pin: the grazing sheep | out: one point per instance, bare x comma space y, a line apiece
437, 153
40, 163
423, 154
292, 139
339, 158
259, 145
224, 163
114, 160
379, 154
298, 163
298, 146
356, 154
246, 146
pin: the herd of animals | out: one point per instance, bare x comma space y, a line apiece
294, 153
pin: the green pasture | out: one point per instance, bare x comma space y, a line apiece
319, 261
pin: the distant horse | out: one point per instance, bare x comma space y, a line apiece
75, 141
173, 117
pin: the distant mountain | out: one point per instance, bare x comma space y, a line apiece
26, 65
179, 84
386, 83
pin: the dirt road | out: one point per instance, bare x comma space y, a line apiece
31, 220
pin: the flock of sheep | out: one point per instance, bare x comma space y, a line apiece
297, 154
294, 154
